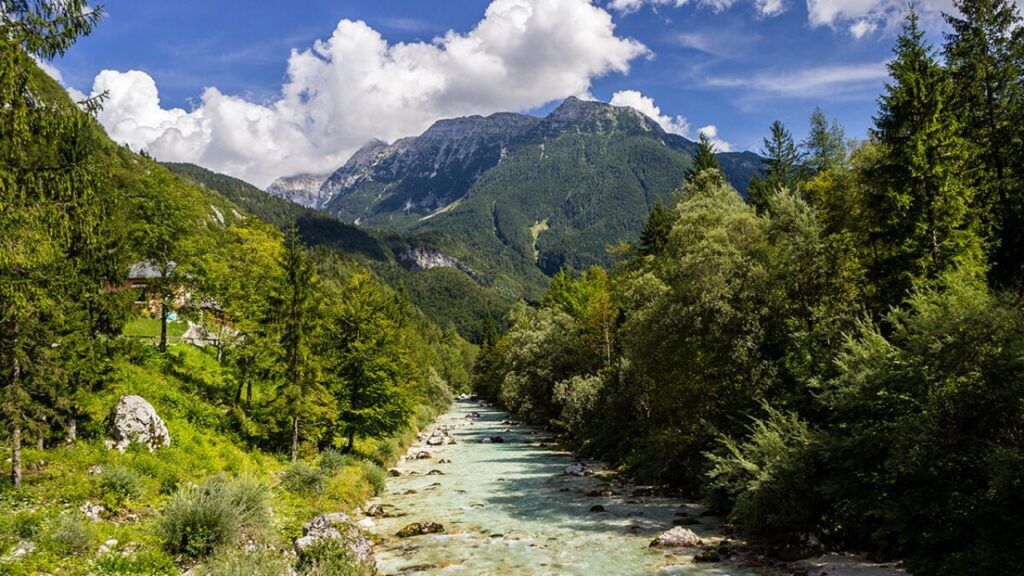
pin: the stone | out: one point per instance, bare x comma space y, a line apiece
394, 472
133, 419
677, 537
375, 510
492, 440
435, 473
423, 455
578, 469
339, 527
92, 511
707, 556
597, 508
420, 529
95, 469
107, 546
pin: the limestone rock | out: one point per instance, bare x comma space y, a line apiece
578, 469
420, 529
677, 537
337, 526
134, 420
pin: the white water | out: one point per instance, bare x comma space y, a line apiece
508, 509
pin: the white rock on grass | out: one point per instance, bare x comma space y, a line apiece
134, 420
337, 526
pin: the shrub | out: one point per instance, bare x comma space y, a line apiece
264, 563
302, 478
376, 477
70, 534
384, 452
200, 519
120, 484
25, 525
329, 557
333, 460
149, 563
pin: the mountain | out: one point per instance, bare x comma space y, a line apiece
512, 198
302, 189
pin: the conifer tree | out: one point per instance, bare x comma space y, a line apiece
825, 145
985, 56
782, 166
705, 158
920, 204
657, 229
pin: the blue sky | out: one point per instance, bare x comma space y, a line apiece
736, 65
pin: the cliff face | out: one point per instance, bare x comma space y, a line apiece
303, 189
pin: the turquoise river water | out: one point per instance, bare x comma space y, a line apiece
508, 509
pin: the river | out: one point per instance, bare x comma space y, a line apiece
508, 509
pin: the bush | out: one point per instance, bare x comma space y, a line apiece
329, 557
200, 519
70, 535
384, 452
120, 484
333, 460
264, 563
150, 563
302, 478
25, 525
376, 477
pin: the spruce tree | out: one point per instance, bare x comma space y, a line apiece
920, 203
654, 236
704, 159
825, 145
985, 55
782, 166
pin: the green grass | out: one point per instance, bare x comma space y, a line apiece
150, 328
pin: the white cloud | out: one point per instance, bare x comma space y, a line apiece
672, 124
818, 82
711, 132
644, 104
862, 28
763, 7
356, 86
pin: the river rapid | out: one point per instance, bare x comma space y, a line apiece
509, 509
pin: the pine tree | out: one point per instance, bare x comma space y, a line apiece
704, 159
825, 145
985, 56
654, 236
46, 187
782, 167
920, 205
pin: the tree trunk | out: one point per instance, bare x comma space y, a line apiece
16, 456
351, 441
295, 438
163, 324
40, 442
248, 392
72, 431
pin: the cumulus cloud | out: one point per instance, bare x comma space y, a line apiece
862, 17
636, 100
355, 86
672, 124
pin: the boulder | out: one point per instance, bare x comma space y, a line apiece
435, 473
339, 527
375, 510
578, 469
394, 472
134, 420
597, 508
423, 455
707, 556
677, 537
492, 440
420, 529
92, 511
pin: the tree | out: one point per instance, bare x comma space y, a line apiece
369, 365
46, 186
656, 230
825, 145
296, 302
985, 56
920, 201
782, 167
705, 158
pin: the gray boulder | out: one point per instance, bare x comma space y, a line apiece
677, 537
339, 527
134, 420
578, 469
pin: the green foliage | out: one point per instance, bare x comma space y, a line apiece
202, 518
656, 230
120, 484
259, 563
148, 563
332, 461
329, 557
783, 165
70, 534
375, 476
302, 478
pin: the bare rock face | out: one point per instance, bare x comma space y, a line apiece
339, 527
134, 420
677, 537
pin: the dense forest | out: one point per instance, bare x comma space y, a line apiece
843, 356
314, 374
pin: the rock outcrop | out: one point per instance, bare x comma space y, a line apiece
133, 419
339, 527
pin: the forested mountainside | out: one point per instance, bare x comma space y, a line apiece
514, 198
449, 296
840, 361
181, 379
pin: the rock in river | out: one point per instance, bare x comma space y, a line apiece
677, 537
578, 469
419, 529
